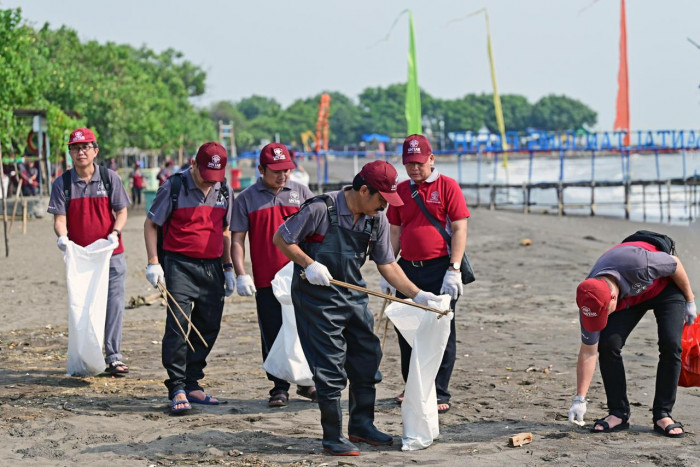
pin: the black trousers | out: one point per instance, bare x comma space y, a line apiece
669, 310
429, 278
270, 323
198, 287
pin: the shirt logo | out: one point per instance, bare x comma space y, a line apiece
585, 311
279, 154
434, 197
294, 197
413, 146
638, 288
215, 162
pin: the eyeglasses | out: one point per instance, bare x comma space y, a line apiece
78, 149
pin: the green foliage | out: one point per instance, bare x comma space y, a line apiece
561, 113
130, 97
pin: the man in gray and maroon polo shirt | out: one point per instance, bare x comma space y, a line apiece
92, 214
260, 209
197, 267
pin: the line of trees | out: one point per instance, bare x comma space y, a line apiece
135, 97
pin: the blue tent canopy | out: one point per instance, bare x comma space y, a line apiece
378, 137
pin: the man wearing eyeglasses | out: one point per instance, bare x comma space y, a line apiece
85, 211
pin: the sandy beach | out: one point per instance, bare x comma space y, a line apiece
518, 338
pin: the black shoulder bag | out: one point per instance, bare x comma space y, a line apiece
466, 267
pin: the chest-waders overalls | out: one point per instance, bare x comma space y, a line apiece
336, 333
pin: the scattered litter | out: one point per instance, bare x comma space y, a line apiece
520, 439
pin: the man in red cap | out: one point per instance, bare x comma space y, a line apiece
426, 258
330, 238
625, 282
260, 209
194, 210
88, 203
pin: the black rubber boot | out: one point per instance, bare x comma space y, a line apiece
361, 427
334, 443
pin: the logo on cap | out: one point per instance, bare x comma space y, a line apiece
279, 154
413, 146
215, 162
587, 312
78, 136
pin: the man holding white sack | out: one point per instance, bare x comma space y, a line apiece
330, 238
259, 210
86, 208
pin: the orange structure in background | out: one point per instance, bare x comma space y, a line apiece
622, 117
324, 108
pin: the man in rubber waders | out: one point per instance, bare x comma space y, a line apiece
330, 238
625, 282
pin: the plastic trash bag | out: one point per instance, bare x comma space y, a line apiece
427, 336
87, 278
690, 356
286, 359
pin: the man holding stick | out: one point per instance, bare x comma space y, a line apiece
329, 239
197, 268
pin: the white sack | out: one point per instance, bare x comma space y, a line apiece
428, 336
286, 358
87, 276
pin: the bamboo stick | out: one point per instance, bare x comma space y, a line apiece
167, 294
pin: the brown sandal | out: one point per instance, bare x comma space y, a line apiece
278, 398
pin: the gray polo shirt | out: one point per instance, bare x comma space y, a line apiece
313, 219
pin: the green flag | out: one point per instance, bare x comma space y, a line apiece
413, 113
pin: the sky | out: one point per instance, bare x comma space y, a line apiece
295, 49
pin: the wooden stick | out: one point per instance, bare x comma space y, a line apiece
180, 326
387, 297
381, 314
386, 327
14, 207
165, 292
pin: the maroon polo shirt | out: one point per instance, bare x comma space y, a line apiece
259, 211
195, 229
90, 213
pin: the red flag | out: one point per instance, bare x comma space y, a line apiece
622, 118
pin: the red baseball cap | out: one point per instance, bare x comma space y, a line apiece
211, 161
275, 156
82, 135
593, 297
416, 148
383, 177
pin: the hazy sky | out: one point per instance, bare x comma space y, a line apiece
295, 49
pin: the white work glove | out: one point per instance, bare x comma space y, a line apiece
113, 240
452, 284
62, 242
245, 285
318, 274
578, 410
154, 273
229, 285
691, 312
424, 298
384, 285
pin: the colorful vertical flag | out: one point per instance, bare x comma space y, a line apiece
622, 117
413, 111
496, 98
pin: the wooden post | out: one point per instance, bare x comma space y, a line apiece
560, 199
492, 204
661, 201
644, 201
14, 206
526, 200
593, 207
627, 199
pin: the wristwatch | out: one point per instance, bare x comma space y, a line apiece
119, 232
455, 266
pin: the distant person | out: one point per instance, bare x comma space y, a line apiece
136, 177
298, 174
89, 215
426, 258
29, 175
113, 164
196, 269
165, 172
259, 210
625, 282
